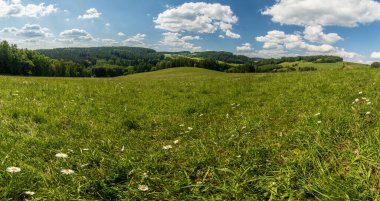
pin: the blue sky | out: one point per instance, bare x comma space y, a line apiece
257, 28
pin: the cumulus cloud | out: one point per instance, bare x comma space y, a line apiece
279, 41
348, 13
120, 34
15, 8
178, 42
136, 40
91, 13
244, 47
375, 55
315, 34
199, 17
75, 35
29, 31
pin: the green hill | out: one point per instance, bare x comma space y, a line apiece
191, 133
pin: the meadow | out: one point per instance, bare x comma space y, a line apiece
192, 134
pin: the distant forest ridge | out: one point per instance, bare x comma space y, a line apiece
117, 61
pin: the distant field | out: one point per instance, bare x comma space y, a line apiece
326, 66
231, 136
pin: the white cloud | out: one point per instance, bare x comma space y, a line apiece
281, 42
375, 55
91, 13
108, 24
244, 47
221, 36
136, 40
232, 34
178, 42
198, 17
29, 31
75, 35
347, 13
315, 34
15, 8
120, 34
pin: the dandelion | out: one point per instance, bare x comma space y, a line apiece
13, 169
189, 128
67, 171
167, 147
61, 155
143, 188
29, 193
176, 141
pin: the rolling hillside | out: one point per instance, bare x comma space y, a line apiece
189, 133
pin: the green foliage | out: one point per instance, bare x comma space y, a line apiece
226, 57
307, 68
375, 65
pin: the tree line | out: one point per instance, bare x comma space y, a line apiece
117, 61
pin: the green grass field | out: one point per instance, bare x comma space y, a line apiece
324, 66
231, 136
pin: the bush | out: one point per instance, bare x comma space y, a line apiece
375, 65
307, 69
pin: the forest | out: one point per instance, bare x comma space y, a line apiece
117, 61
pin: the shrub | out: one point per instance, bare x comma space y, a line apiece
375, 65
307, 68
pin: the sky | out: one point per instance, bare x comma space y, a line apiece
256, 28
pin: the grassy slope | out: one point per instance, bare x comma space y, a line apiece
326, 66
254, 136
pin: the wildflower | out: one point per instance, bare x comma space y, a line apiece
360, 93
29, 193
145, 175
13, 169
122, 148
319, 122
318, 114
182, 125
176, 141
143, 188
84, 165
368, 113
357, 100
61, 155
67, 171
189, 128
167, 147
369, 103
201, 115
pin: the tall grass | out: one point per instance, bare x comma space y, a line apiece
231, 136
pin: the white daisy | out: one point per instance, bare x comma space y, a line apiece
30, 193
67, 171
61, 155
13, 169
143, 188
167, 147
